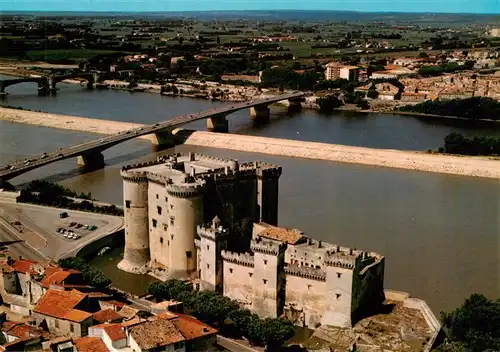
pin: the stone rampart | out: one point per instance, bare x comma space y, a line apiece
209, 232
267, 247
306, 272
245, 259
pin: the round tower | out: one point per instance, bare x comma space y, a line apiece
135, 198
185, 202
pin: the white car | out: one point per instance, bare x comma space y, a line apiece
66, 235
76, 237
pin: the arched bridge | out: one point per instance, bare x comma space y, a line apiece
43, 82
90, 153
48, 84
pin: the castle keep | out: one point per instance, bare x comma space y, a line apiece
181, 213
166, 199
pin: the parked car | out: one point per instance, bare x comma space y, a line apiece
73, 223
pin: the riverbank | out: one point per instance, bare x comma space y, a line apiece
418, 161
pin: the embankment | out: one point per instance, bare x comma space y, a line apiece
449, 164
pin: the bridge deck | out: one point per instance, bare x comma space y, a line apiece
18, 168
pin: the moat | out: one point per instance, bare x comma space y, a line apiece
439, 233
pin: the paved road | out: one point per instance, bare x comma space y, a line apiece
9, 233
10, 171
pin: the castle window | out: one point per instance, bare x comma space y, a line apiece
339, 275
250, 274
309, 287
159, 210
265, 262
231, 270
265, 281
171, 206
337, 295
166, 199
172, 219
127, 204
157, 196
318, 267
208, 266
161, 239
307, 264
188, 254
154, 223
165, 227
208, 247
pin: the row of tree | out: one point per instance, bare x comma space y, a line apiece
474, 327
51, 194
91, 275
220, 311
455, 143
470, 108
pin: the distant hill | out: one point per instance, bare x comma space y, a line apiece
313, 15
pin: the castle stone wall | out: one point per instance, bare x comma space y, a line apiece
238, 279
135, 196
158, 225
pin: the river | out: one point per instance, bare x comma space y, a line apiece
439, 233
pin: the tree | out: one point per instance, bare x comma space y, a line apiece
329, 103
91, 275
475, 325
372, 93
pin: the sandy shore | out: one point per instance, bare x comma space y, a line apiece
449, 164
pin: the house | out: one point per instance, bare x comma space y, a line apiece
387, 91
107, 315
336, 70
63, 312
164, 332
167, 306
69, 344
413, 97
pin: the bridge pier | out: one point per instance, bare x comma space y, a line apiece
218, 123
91, 160
163, 140
295, 105
260, 113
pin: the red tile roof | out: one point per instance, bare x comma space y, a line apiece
155, 334
115, 332
281, 234
55, 278
22, 266
77, 315
191, 328
90, 344
106, 316
57, 303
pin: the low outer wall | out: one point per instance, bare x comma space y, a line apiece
449, 164
113, 240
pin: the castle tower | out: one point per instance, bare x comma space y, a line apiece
185, 208
267, 194
268, 297
135, 198
213, 240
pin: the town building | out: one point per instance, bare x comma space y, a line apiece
336, 70
495, 32
166, 199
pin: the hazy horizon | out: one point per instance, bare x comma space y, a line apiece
409, 6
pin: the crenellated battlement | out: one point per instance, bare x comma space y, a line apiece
185, 190
245, 259
207, 231
306, 272
264, 246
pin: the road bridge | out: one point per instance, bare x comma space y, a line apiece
48, 84
89, 154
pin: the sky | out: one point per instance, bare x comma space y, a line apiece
452, 6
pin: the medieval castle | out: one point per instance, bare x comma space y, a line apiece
185, 217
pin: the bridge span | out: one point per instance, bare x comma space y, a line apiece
48, 84
89, 154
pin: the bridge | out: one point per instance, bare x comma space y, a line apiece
48, 84
90, 156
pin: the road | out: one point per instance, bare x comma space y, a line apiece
20, 167
9, 233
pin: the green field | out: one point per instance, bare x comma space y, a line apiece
77, 55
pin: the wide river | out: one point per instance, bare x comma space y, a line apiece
439, 233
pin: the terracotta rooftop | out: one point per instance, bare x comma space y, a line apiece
55, 278
128, 312
154, 334
115, 332
281, 234
77, 315
90, 344
22, 266
106, 316
24, 330
117, 304
191, 328
132, 322
58, 304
